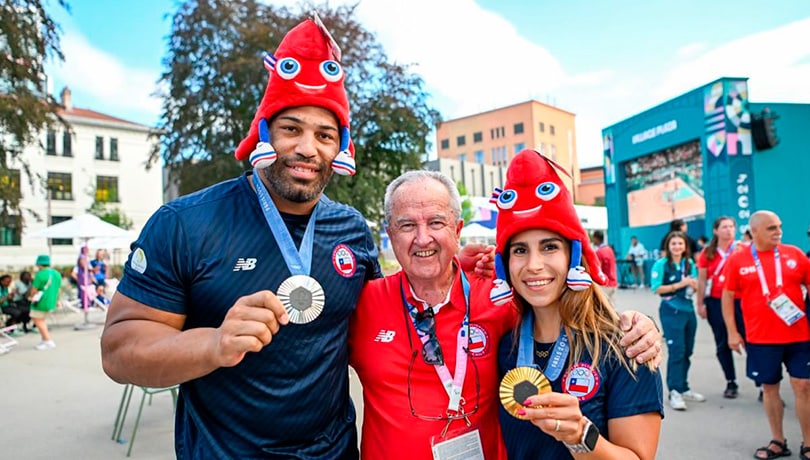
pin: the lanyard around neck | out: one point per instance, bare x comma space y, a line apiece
299, 261
723, 257
559, 354
452, 384
761, 273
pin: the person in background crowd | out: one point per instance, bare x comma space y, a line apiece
20, 303
702, 242
709, 293
84, 279
768, 277
596, 402
674, 278
44, 294
747, 237
637, 253
99, 267
607, 258
680, 225
808, 235
6, 293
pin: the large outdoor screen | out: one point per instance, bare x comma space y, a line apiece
665, 185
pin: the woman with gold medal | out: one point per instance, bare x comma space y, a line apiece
567, 388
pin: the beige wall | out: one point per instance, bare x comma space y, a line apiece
591, 186
499, 140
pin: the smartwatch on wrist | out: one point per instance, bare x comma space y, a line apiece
588, 442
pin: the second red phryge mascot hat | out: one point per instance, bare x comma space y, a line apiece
534, 196
305, 70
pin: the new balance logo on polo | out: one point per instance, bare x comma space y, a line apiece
385, 336
244, 264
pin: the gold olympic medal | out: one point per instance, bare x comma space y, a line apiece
302, 297
519, 384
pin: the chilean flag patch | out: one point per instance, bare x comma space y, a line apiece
582, 381
344, 261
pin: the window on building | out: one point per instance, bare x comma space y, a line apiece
478, 136
113, 149
503, 131
551, 129
462, 157
60, 186
10, 230
461, 141
445, 144
107, 189
518, 128
11, 183
50, 142
542, 127
479, 157
60, 241
492, 133
542, 148
553, 152
67, 144
519, 146
99, 148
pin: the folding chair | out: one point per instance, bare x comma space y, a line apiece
123, 407
7, 342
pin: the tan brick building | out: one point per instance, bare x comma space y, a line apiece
495, 136
591, 190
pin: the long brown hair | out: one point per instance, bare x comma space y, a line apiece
711, 249
588, 312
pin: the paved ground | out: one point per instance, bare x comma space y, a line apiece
59, 404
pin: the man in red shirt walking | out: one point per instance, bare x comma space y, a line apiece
768, 277
607, 258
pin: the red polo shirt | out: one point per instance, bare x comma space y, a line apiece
380, 352
607, 259
762, 324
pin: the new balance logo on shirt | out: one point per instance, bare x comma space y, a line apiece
244, 264
385, 336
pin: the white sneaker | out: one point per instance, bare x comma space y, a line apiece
690, 395
676, 401
45, 345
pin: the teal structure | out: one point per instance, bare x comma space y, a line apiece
697, 147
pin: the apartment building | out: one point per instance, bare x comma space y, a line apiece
101, 158
591, 190
495, 136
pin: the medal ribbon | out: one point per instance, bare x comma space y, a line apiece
761, 273
299, 261
559, 354
452, 384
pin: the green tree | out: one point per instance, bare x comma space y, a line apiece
467, 211
110, 214
214, 80
29, 36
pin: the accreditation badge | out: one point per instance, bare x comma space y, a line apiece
464, 443
786, 309
302, 297
519, 384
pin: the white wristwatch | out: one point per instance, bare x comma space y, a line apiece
588, 442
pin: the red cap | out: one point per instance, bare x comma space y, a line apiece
304, 71
534, 196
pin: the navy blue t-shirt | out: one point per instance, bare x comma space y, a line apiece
609, 391
196, 256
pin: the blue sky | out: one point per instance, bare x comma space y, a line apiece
602, 60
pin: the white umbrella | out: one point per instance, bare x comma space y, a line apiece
85, 226
474, 230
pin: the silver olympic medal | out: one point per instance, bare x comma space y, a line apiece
303, 298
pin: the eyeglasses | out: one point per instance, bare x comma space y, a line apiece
431, 350
448, 415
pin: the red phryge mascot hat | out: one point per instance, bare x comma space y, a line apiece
304, 71
535, 197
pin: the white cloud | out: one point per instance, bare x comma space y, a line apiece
776, 62
110, 85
